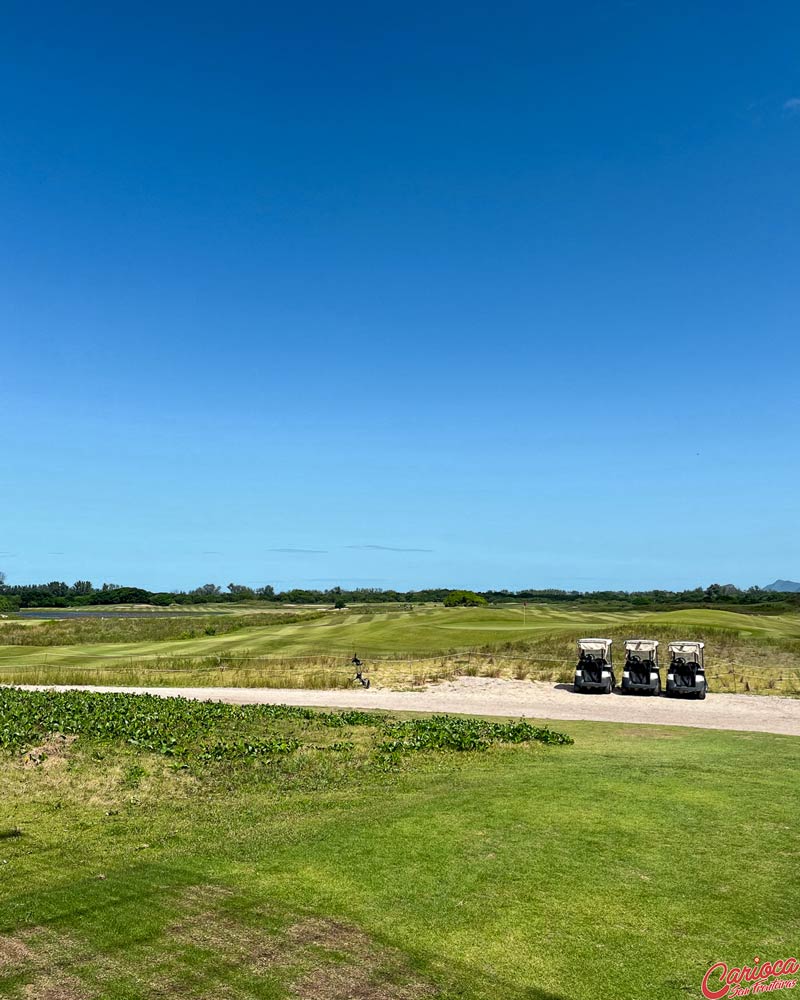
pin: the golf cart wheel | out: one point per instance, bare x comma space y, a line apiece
701, 695
608, 688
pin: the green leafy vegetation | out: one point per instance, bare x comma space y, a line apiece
205, 731
442, 732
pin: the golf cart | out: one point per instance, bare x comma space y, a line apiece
686, 674
640, 674
595, 671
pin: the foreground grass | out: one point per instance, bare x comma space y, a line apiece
622, 866
758, 653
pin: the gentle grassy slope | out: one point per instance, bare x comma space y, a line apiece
422, 631
97, 629
761, 653
622, 866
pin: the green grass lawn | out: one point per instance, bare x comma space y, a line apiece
759, 652
621, 866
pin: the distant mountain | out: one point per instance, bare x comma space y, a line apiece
784, 587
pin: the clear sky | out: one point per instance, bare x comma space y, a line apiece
485, 295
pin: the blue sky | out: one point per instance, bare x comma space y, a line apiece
429, 294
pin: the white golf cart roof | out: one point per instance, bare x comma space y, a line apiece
594, 645
686, 648
641, 645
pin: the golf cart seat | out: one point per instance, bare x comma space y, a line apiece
686, 675
594, 671
640, 673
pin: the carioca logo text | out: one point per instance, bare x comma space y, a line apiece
720, 981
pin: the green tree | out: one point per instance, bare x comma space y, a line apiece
464, 599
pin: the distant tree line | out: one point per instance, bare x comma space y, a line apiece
84, 593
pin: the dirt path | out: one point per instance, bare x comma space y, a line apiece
534, 699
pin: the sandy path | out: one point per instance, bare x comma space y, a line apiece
534, 699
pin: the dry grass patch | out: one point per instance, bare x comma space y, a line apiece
328, 934
315, 958
13, 952
40, 956
355, 967
63, 769
356, 982
319, 959
52, 753
205, 924
60, 988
